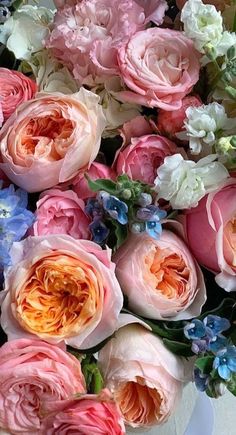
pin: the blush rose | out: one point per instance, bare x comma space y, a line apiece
96, 171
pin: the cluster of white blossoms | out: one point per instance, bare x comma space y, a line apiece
184, 182
204, 25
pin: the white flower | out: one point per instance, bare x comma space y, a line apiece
50, 75
227, 40
202, 23
26, 30
116, 112
183, 182
202, 125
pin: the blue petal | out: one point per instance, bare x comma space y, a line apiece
232, 364
224, 372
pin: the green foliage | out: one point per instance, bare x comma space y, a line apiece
92, 375
205, 364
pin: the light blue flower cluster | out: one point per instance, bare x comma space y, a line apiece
15, 220
149, 221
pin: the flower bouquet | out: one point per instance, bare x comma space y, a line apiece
117, 211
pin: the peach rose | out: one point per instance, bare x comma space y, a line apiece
141, 159
89, 414
96, 171
34, 373
160, 67
50, 138
145, 378
61, 289
160, 277
61, 212
211, 233
15, 88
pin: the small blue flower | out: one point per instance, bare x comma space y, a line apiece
225, 362
153, 229
201, 380
150, 213
114, 207
216, 324
94, 208
195, 330
99, 231
199, 346
217, 343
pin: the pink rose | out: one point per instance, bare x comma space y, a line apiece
1, 115
15, 88
86, 35
160, 67
154, 10
141, 159
144, 376
136, 127
171, 122
61, 289
34, 373
211, 233
61, 212
49, 139
160, 277
88, 415
96, 171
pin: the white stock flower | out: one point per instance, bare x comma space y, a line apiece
24, 32
183, 182
202, 125
202, 23
50, 75
116, 112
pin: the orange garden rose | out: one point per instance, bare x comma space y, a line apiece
61, 289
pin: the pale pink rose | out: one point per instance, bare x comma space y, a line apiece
171, 122
211, 233
219, 4
34, 373
136, 127
141, 159
95, 172
160, 277
154, 10
61, 289
15, 88
89, 414
49, 139
160, 67
86, 35
144, 376
61, 212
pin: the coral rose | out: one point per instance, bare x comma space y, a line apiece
96, 171
61, 212
160, 277
34, 373
61, 289
160, 67
90, 414
15, 88
211, 233
141, 159
145, 378
50, 138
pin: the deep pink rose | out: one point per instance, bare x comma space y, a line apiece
171, 122
160, 67
160, 277
34, 373
49, 139
61, 212
89, 414
86, 35
141, 159
211, 233
96, 171
15, 88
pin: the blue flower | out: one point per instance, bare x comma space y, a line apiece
225, 362
114, 207
216, 324
94, 208
195, 330
199, 346
217, 343
201, 380
153, 229
99, 231
151, 216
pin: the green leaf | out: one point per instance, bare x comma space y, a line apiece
121, 233
102, 184
205, 364
231, 385
227, 309
178, 348
92, 374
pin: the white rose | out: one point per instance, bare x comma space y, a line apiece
202, 23
202, 125
25, 31
183, 182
